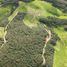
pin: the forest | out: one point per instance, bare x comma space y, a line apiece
33, 33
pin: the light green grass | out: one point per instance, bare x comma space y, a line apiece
31, 21
60, 57
4, 12
63, 17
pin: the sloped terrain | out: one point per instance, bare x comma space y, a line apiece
61, 4
24, 46
28, 25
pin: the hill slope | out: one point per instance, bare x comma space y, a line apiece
26, 24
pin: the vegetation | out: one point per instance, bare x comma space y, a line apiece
26, 26
61, 4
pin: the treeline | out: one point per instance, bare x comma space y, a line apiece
54, 22
12, 3
61, 4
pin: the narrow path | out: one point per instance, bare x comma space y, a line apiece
47, 39
10, 18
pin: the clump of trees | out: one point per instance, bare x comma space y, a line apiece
53, 22
61, 4
65, 27
24, 46
4, 22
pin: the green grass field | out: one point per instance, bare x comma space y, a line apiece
61, 55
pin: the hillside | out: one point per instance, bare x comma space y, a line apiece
61, 4
33, 33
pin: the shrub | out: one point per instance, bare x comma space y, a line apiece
24, 46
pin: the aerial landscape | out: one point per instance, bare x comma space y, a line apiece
33, 33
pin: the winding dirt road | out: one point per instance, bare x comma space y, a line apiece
47, 39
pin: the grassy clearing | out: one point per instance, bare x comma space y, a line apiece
63, 17
60, 57
46, 9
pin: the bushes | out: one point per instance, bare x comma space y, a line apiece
65, 27
54, 38
20, 16
24, 46
26, 0
61, 4
53, 22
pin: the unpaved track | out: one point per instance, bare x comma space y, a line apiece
10, 18
47, 39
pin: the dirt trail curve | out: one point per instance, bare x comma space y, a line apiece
47, 39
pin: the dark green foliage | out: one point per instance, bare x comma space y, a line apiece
65, 27
53, 22
1, 42
24, 46
27, 0
4, 22
14, 2
61, 4
49, 56
20, 16
9, 1
54, 38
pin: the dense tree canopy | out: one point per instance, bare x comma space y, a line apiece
61, 4
29, 24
